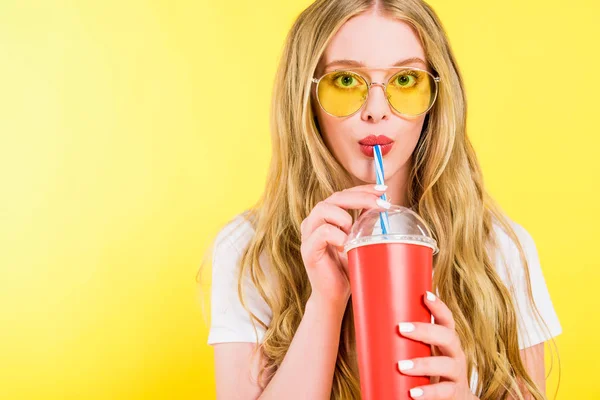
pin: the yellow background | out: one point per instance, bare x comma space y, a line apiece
130, 131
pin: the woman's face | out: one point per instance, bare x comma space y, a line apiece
374, 41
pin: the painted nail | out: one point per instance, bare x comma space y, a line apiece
430, 296
405, 364
383, 204
416, 392
381, 188
406, 327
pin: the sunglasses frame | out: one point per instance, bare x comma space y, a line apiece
436, 79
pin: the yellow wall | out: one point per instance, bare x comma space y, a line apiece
123, 128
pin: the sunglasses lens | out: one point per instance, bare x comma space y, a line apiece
342, 93
411, 92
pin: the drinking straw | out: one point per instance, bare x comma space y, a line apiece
383, 216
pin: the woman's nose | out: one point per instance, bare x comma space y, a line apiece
377, 107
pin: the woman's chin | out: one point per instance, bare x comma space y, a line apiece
363, 176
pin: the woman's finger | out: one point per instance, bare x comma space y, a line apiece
440, 311
356, 200
444, 338
446, 367
358, 197
376, 189
438, 391
316, 244
326, 213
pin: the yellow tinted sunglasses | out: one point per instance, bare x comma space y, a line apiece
410, 91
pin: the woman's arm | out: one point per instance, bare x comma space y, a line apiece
236, 371
307, 368
533, 358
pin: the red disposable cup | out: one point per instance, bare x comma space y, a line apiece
389, 274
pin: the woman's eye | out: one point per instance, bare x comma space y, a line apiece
406, 80
346, 81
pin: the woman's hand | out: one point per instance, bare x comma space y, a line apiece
324, 232
450, 365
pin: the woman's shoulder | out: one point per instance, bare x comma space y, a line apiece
230, 321
229, 245
507, 251
236, 233
512, 271
505, 243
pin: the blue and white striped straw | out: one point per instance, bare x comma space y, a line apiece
383, 216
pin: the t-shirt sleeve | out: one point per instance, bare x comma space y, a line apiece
531, 331
230, 322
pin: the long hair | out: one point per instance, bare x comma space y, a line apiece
445, 188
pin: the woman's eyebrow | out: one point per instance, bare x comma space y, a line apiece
355, 63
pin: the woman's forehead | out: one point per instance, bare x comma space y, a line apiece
373, 40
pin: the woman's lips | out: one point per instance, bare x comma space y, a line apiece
369, 152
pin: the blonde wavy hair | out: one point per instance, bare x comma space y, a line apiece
446, 189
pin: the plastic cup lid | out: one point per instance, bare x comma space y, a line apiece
405, 226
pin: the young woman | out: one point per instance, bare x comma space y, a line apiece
282, 324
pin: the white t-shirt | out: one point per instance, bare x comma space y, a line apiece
231, 323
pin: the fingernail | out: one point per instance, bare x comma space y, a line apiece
430, 296
383, 204
406, 327
381, 188
405, 364
416, 392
